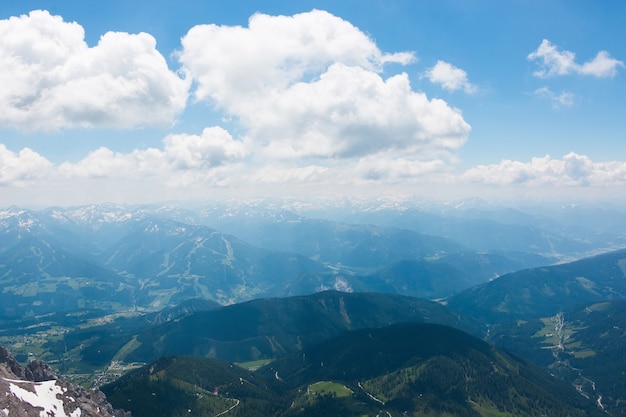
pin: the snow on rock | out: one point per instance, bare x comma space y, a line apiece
46, 395
35, 391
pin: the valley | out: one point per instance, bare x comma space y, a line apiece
103, 293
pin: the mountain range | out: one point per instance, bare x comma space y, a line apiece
116, 258
340, 309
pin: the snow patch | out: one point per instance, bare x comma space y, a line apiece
46, 395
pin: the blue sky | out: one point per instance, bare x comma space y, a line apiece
146, 101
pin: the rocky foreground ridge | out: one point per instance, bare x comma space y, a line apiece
35, 390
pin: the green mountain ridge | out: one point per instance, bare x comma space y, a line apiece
544, 291
568, 317
257, 329
417, 369
184, 386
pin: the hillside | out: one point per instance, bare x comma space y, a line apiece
264, 328
584, 346
545, 291
569, 318
177, 386
407, 369
432, 369
439, 277
37, 276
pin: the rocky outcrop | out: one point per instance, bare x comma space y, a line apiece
35, 390
38, 371
9, 366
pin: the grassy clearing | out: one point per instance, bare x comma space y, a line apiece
327, 387
127, 349
254, 365
582, 354
490, 410
547, 329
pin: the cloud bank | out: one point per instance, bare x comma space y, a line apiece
572, 170
308, 96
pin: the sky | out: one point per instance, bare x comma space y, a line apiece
136, 102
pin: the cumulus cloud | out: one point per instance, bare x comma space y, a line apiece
273, 52
450, 77
309, 86
22, 168
184, 159
553, 61
211, 149
51, 79
351, 112
572, 170
306, 94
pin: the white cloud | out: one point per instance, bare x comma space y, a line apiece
601, 66
51, 79
22, 168
450, 77
351, 112
308, 86
306, 91
213, 148
202, 165
273, 52
104, 163
565, 99
572, 170
184, 159
555, 62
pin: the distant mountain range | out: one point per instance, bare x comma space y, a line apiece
337, 304
115, 258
